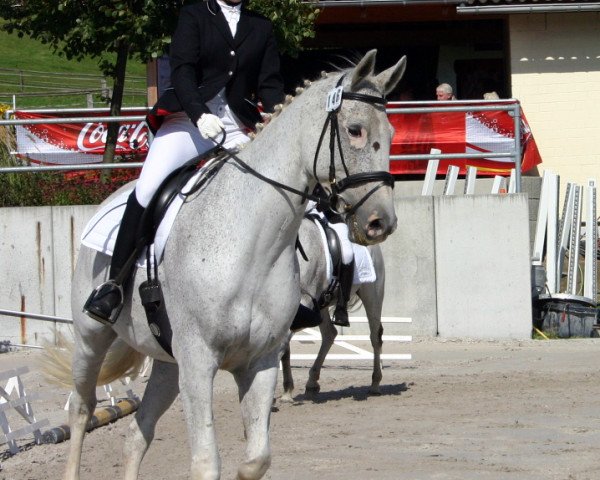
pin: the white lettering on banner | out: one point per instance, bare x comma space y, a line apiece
130, 136
85, 141
139, 136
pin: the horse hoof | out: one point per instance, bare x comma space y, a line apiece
311, 392
376, 392
286, 398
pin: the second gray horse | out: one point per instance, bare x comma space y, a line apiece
314, 280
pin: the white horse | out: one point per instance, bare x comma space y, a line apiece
314, 281
230, 274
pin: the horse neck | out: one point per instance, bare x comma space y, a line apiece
285, 150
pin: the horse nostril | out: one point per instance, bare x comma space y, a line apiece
375, 228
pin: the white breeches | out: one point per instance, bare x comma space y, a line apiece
178, 140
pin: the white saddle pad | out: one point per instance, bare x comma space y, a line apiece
364, 270
100, 233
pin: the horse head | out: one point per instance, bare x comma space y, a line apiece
354, 166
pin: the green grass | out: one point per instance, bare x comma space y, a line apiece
33, 56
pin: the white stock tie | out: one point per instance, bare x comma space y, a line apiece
232, 15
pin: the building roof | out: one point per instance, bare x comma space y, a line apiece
481, 6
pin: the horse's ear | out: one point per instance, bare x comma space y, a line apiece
388, 79
364, 68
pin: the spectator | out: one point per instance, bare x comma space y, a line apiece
444, 92
490, 96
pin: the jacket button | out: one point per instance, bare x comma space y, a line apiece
232, 53
230, 73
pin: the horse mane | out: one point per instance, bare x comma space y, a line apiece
365, 84
260, 126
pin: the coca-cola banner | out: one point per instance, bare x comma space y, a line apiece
415, 133
460, 132
77, 143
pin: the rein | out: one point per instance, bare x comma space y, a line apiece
334, 102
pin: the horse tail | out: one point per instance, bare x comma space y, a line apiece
120, 361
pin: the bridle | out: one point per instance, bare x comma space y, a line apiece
333, 199
334, 104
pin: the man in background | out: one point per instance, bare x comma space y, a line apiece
444, 92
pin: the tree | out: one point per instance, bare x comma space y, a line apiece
114, 30
293, 21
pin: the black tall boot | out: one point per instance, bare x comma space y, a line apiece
104, 304
345, 279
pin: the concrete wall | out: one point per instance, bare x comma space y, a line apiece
457, 266
555, 72
38, 249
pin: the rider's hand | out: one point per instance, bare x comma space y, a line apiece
209, 125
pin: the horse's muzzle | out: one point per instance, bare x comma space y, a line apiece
378, 228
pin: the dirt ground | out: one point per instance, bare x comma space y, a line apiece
457, 410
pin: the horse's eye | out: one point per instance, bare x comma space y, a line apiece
354, 130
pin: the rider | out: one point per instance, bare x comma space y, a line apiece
223, 60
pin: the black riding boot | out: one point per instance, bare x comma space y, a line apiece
305, 318
105, 301
345, 278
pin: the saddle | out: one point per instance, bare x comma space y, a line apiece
166, 194
334, 248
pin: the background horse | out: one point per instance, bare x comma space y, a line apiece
314, 281
230, 274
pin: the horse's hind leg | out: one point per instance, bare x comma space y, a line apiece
89, 352
328, 334
161, 391
256, 386
288, 379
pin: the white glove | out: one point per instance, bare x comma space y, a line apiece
209, 125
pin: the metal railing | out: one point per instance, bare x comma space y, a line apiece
467, 106
512, 106
80, 119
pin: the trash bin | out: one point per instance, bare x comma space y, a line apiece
567, 318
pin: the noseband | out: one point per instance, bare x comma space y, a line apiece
334, 104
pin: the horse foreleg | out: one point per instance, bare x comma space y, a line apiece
89, 352
372, 298
328, 334
256, 387
288, 379
196, 381
161, 391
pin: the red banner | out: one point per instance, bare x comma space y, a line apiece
459, 132
415, 133
77, 143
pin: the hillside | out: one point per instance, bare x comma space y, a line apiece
40, 78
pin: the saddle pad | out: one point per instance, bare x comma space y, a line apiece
100, 233
364, 271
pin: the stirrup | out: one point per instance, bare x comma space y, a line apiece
93, 308
343, 322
